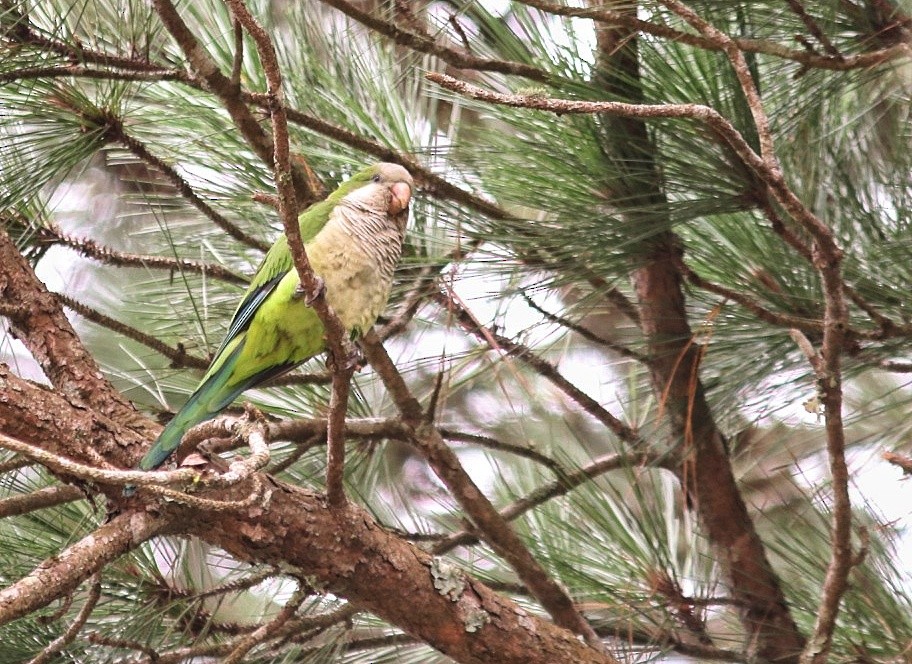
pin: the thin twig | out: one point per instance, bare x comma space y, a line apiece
178, 355
91, 249
75, 52
547, 370
341, 352
430, 182
742, 72
115, 131
812, 26
895, 366
585, 333
559, 487
526, 452
40, 499
806, 58
675, 602
723, 128
265, 632
65, 639
777, 319
122, 644
79, 71
424, 43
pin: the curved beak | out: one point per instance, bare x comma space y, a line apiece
400, 195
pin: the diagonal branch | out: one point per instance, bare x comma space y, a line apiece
306, 184
742, 71
492, 526
424, 43
62, 574
499, 342
44, 329
114, 130
179, 356
71, 632
558, 487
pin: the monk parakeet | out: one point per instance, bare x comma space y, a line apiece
353, 241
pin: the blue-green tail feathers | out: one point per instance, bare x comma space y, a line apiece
214, 394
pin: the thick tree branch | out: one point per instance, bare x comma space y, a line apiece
62, 574
703, 467
342, 548
44, 329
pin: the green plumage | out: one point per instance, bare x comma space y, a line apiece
353, 241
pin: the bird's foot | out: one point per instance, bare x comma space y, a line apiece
310, 295
353, 359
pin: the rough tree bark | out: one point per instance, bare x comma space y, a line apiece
703, 469
339, 549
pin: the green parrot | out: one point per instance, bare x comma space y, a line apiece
353, 241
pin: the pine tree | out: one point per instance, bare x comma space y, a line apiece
646, 392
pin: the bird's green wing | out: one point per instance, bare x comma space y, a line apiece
275, 265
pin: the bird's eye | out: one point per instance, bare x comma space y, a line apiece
376, 178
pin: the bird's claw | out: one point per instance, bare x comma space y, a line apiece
354, 360
309, 296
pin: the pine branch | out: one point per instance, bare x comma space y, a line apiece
585, 333
569, 481
808, 59
424, 43
178, 355
306, 185
44, 329
495, 530
114, 130
104, 254
63, 573
261, 634
57, 645
814, 28
498, 342
79, 71
38, 500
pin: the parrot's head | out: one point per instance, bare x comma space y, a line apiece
383, 185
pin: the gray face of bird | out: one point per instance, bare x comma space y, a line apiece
389, 191
399, 183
